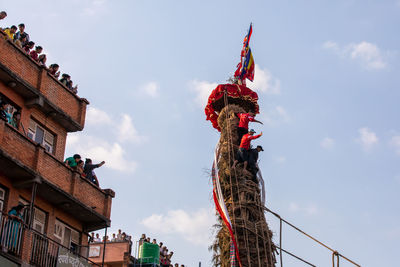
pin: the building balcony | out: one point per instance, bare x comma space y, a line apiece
25, 162
39, 88
20, 245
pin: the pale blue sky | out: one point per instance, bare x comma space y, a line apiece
328, 81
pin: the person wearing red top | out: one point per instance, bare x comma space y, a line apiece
244, 119
243, 152
35, 53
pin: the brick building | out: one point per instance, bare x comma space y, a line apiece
61, 206
117, 254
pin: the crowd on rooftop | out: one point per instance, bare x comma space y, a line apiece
165, 256
21, 39
86, 169
118, 237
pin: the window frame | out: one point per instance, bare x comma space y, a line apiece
50, 148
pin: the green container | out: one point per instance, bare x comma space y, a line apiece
149, 253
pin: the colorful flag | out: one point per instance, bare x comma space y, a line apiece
245, 68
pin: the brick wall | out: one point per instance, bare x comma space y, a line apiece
37, 77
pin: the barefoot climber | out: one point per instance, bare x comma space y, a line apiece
243, 152
244, 119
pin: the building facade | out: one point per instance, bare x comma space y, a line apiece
61, 206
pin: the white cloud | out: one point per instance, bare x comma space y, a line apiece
310, 209
327, 143
95, 7
275, 116
127, 131
264, 82
151, 89
395, 143
280, 159
124, 128
294, 207
98, 150
96, 116
192, 226
368, 54
367, 138
331, 45
110, 148
203, 90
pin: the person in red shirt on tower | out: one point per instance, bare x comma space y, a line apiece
244, 119
243, 152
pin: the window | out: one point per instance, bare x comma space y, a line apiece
2, 201
66, 236
39, 220
40, 135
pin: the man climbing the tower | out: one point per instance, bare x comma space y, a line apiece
243, 152
244, 119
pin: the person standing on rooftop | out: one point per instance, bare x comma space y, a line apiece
11, 32
21, 32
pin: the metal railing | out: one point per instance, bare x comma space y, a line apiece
31, 246
11, 234
47, 252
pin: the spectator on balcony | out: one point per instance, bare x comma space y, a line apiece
124, 236
65, 78
154, 241
147, 240
73, 161
119, 235
176, 265
10, 32
114, 238
35, 53
22, 32
42, 60
53, 69
3, 111
14, 226
14, 121
97, 238
142, 239
79, 167
21, 41
70, 86
28, 46
3, 14
89, 171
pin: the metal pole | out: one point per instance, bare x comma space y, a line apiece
32, 205
104, 247
280, 241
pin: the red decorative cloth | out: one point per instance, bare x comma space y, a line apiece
237, 94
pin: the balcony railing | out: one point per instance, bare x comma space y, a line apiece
37, 249
11, 231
